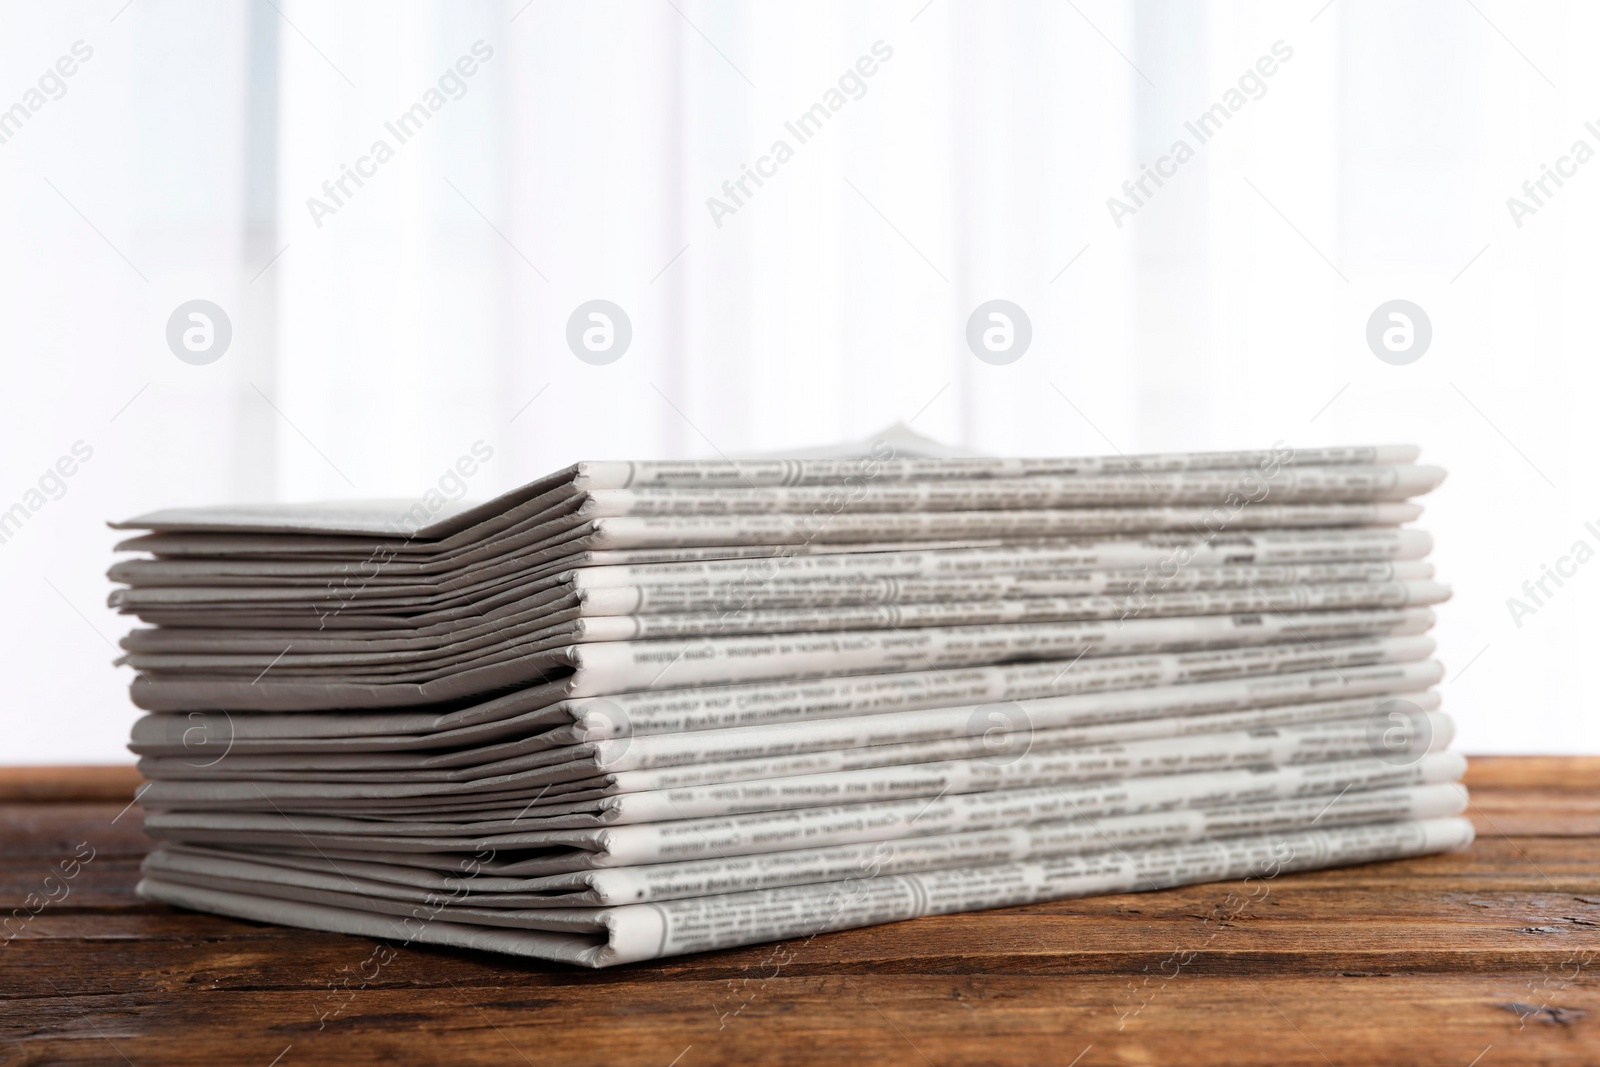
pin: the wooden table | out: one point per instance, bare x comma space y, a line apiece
1488, 957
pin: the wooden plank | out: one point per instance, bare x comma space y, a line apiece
1544, 773
1269, 1018
1432, 960
44, 785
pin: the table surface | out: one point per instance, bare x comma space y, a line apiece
1486, 957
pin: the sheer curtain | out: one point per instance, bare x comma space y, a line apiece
391, 309
579, 166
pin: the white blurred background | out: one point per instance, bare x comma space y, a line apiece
374, 344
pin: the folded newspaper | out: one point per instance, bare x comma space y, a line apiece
637, 709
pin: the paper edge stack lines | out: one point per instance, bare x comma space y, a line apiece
634, 710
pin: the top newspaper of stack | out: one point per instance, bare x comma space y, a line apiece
613, 577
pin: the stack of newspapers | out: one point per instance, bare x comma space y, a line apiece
639, 709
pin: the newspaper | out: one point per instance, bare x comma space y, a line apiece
885, 468
606, 668
530, 720
607, 936
640, 532
551, 544
997, 732
349, 574
581, 841
1299, 485
654, 594
634, 709
613, 667
680, 774
405, 663
539, 628
387, 591
597, 592
246, 585
1344, 739
1341, 596
527, 535
671, 881
1280, 674
332, 609
1000, 729
880, 467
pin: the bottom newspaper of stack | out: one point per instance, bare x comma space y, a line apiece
600, 831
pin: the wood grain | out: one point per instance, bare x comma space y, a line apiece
90, 782
1491, 956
